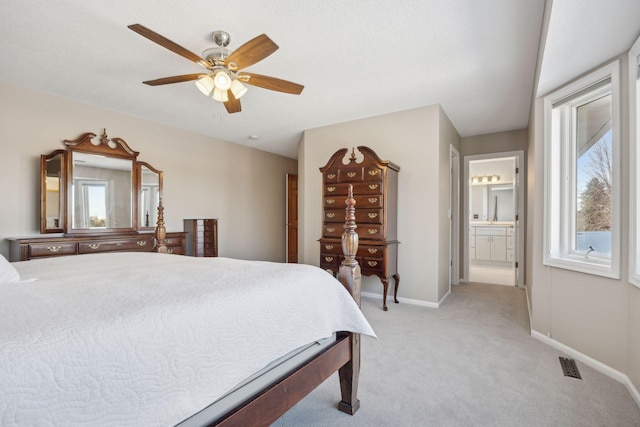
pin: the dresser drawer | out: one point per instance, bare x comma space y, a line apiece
175, 250
330, 262
350, 174
369, 201
372, 173
339, 191
372, 264
370, 231
134, 244
370, 251
332, 230
173, 241
37, 250
331, 248
363, 216
331, 175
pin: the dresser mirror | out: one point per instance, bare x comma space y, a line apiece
52, 188
101, 188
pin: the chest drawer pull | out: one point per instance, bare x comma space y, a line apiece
168, 241
54, 248
373, 186
373, 215
373, 199
331, 176
374, 173
372, 263
351, 174
372, 230
330, 201
328, 258
141, 243
331, 189
328, 247
169, 250
330, 214
331, 229
373, 250
94, 245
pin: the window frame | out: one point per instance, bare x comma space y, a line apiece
560, 176
634, 169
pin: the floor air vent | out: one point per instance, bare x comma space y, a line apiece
569, 368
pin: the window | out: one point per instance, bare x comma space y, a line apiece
582, 205
634, 138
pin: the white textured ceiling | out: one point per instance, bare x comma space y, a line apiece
356, 59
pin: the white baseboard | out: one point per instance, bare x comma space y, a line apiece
591, 362
404, 300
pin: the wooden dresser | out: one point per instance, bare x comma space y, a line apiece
201, 237
23, 249
375, 189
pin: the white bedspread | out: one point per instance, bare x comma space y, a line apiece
149, 339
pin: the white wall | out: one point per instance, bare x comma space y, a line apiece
203, 177
412, 140
594, 315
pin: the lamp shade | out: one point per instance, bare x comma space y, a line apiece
205, 84
222, 80
238, 89
220, 95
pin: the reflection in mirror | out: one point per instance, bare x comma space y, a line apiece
52, 200
102, 189
150, 186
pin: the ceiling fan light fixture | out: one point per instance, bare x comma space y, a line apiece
205, 84
220, 95
222, 80
238, 89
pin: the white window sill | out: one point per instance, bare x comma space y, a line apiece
593, 266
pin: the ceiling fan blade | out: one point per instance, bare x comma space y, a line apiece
233, 104
251, 52
271, 83
168, 44
174, 79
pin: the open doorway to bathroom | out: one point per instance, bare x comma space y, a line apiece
493, 252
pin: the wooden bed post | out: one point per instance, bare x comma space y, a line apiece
349, 275
161, 231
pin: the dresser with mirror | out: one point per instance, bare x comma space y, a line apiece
96, 197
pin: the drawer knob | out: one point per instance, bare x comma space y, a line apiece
374, 173
331, 189
330, 214
328, 258
94, 245
168, 240
141, 243
53, 248
373, 199
373, 250
170, 251
328, 247
331, 176
330, 201
372, 263
373, 215
373, 186
373, 230
351, 174
331, 229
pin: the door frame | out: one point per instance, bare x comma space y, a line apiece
454, 217
519, 223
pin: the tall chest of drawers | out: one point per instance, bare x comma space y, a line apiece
202, 237
375, 189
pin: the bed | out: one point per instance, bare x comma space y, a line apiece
154, 339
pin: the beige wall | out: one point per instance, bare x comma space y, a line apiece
594, 315
412, 140
203, 177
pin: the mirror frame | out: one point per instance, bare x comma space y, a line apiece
61, 196
110, 147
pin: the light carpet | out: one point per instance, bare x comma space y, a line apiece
470, 362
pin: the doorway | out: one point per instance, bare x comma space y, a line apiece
493, 203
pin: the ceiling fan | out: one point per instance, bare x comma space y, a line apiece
223, 79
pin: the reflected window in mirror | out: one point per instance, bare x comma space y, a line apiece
102, 192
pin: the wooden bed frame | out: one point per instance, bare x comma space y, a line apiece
269, 404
